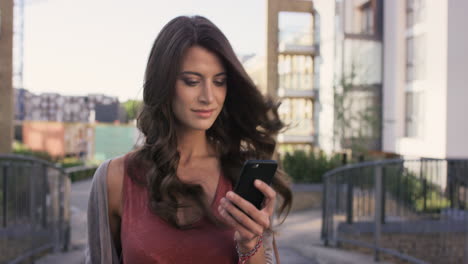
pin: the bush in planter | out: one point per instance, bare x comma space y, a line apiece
308, 167
412, 189
21, 149
71, 162
82, 175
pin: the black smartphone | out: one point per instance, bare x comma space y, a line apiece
255, 169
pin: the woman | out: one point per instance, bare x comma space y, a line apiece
171, 200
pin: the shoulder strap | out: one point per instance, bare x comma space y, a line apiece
100, 248
275, 248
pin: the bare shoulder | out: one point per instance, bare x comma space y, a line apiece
114, 179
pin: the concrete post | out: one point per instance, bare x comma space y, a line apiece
6, 75
272, 47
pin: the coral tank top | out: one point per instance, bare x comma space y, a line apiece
146, 238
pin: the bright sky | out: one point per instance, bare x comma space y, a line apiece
76, 47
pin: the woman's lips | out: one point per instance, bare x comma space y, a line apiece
203, 113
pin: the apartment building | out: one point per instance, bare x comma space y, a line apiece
349, 34
290, 68
425, 83
56, 107
408, 66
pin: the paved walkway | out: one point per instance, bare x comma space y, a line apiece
298, 239
79, 206
300, 236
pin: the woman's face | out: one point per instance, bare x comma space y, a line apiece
200, 89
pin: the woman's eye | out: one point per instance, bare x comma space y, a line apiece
190, 82
220, 83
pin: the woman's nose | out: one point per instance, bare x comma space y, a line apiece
206, 95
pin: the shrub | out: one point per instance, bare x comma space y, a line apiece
22, 149
70, 162
82, 175
308, 167
413, 190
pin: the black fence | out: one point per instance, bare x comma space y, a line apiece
34, 208
402, 210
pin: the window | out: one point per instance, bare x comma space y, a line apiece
367, 18
295, 72
295, 29
413, 114
415, 58
298, 114
415, 12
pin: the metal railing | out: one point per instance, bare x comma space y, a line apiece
410, 210
34, 208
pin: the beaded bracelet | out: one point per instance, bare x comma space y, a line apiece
243, 257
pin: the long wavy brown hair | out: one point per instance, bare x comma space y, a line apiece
245, 129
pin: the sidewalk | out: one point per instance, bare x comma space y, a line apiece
79, 206
300, 235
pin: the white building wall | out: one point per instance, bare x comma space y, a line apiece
457, 80
432, 141
394, 74
326, 9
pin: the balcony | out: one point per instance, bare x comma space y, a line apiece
297, 115
294, 49
297, 93
296, 75
295, 139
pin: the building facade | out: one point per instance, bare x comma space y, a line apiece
407, 62
350, 66
55, 107
290, 68
425, 84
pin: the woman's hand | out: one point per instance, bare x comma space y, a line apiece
248, 228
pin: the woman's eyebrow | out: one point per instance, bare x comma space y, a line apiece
219, 74
200, 75
190, 72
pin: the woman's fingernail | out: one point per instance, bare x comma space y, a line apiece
257, 182
230, 194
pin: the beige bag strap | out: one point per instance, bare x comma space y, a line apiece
275, 248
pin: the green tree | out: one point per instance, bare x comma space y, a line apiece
357, 113
132, 108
